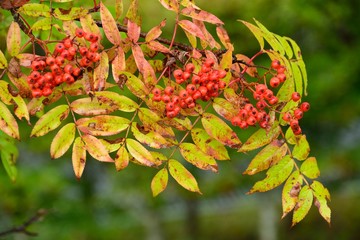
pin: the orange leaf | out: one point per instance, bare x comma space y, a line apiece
121, 158
171, 5
209, 39
143, 65
155, 32
191, 28
101, 72
118, 64
158, 47
109, 25
224, 37
133, 31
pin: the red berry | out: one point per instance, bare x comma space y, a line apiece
274, 82
294, 123
183, 94
72, 51
68, 68
191, 88
67, 77
248, 107
170, 106
157, 98
35, 65
175, 99
203, 90
50, 61
264, 124
94, 47
96, 57
76, 72
91, 37
286, 117
297, 131
222, 84
209, 62
186, 75
295, 96
261, 104
35, 75
46, 91
236, 120
260, 88
196, 95
189, 67
178, 73
273, 100
189, 100
281, 69
205, 69
79, 32
83, 51
275, 64
298, 113
251, 120
169, 90
195, 79
58, 79
48, 77
268, 94
243, 124
156, 91
281, 77
260, 116
36, 93
191, 105
171, 114
68, 43
305, 106
165, 98
59, 60
59, 47
243, 113
222, 73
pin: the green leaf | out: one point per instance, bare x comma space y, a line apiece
150, 138
310, 168
133, 12
92, 106
256, 31
74, 13
301, 149
209, 145
8, 123
152, 121
286, 45
322, 195
3, 61
121, 158
62, 140
261, 137
5, 95
195, 156
50, 121
20, 108
123, 103
134, 84
140, 153
290, 136
159, 182
287, 88
303, 205
8, 159
96, 149
297, 77
183, 176
268, 156
302, 67
109, 25
103, 125
119, 8
275, 176
291, 192
42, 24
13, 40
78, 157
219, 130
270, 38
225, 108
295, 47
35, 10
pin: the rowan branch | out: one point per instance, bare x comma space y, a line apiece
23, 228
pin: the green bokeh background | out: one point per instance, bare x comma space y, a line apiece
106, 204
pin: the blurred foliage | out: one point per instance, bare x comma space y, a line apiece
109, 205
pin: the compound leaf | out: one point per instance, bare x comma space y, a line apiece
183, 176
134, 84
159, 181
62, 140
150, 138
50, 121
256, 32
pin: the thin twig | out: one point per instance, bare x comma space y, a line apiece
23, 228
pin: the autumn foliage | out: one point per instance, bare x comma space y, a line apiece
118, 93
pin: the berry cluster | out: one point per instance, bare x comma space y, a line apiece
63, 65
293, 117
280, 77
203, 85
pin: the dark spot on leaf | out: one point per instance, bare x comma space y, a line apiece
82, 161
208, 141
122, 80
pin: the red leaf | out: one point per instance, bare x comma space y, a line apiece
143, 65
118, 64
191, 28
133, 31
224, 37
101, 72
201, 15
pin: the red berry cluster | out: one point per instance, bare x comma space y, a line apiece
250, 114
293, 117
203, 85
63, 65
